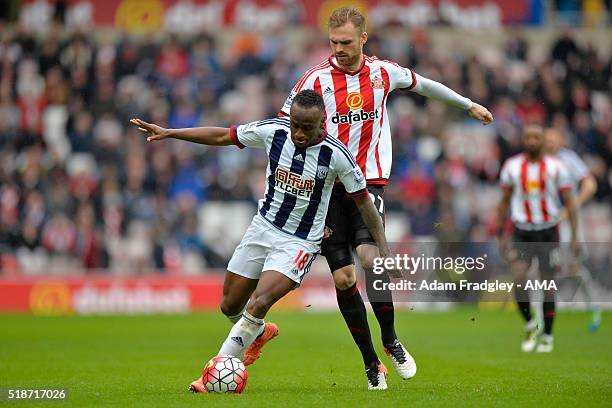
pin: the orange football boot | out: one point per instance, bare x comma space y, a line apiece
254, 350
198, 386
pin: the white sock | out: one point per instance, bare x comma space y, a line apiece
244, 332
531, 325
547, 338
234, 319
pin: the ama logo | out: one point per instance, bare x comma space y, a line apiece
354, 101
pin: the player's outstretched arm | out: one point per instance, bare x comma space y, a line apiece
440, 92
480, 113
214, 136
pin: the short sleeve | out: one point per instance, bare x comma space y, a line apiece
287, 105
400, 77
350, 174
252, 134
564, 180
578, 167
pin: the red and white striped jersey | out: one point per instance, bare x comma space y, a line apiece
535, 188
355, 108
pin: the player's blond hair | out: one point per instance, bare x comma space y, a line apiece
344, 15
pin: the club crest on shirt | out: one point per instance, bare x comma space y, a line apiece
378, 83
322, 172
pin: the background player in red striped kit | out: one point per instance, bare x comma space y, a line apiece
355, 88
532, 184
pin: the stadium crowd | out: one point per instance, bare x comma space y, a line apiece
82, 190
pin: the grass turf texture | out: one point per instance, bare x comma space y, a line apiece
465, 358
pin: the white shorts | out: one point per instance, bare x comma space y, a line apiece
265, 248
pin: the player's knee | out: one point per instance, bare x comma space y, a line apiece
367, 254
228, 308
344, 278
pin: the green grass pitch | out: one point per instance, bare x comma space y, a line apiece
465, 357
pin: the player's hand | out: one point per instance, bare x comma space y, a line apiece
155, 132
480, 113
327, 232
392, 272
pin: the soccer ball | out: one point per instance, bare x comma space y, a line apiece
225, 374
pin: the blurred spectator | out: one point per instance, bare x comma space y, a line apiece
79, 190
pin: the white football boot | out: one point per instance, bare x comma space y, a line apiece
402, 360
531, 336
377, 377
546, 344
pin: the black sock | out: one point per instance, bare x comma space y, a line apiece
382, 304
549, 316
384, 312
523, 305
354, 312
525, 309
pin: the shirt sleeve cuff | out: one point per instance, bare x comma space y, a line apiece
358, 193
234, 137
413, 84
414, 81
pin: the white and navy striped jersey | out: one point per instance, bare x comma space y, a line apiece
577, 168
535, 188
355, 108
299, 180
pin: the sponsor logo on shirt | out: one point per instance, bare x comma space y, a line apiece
293, 183
355, 116
354, 100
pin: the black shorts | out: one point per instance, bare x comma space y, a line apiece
542, 244
348, 230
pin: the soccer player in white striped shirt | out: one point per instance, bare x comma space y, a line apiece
285, 235
584, 186
531, 184
355, 88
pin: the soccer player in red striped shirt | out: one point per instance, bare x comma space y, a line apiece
355, 88
532, 184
